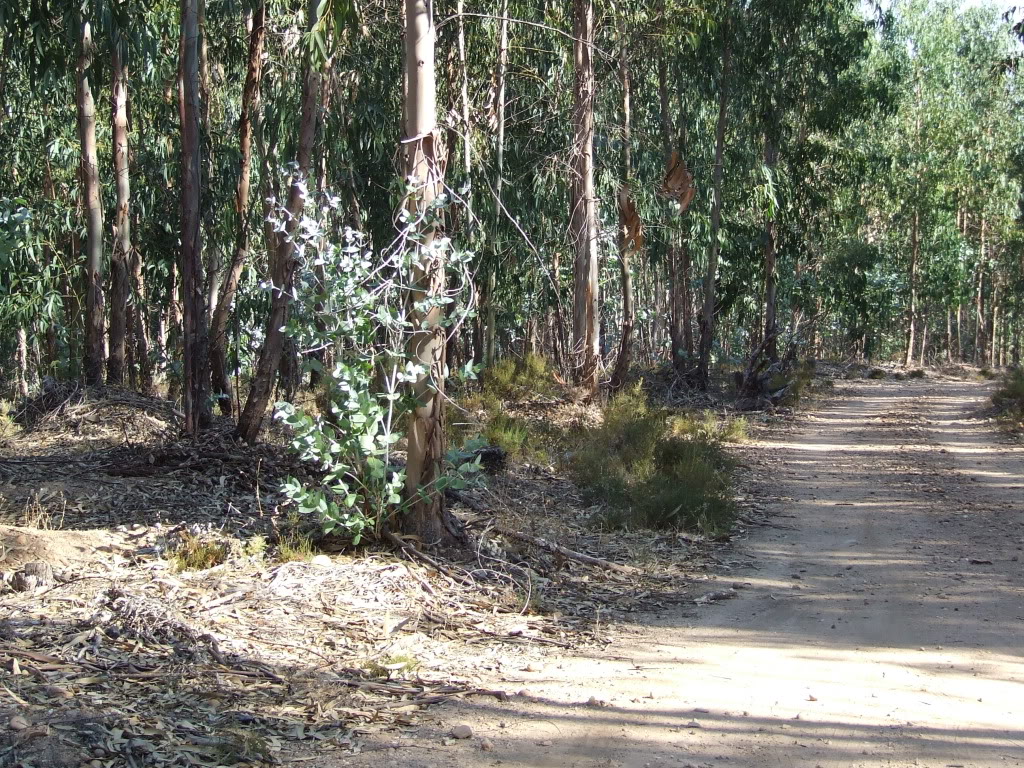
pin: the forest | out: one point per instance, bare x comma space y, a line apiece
358, 357
235, 205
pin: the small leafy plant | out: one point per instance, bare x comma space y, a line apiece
350, 317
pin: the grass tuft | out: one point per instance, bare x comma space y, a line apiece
197, 553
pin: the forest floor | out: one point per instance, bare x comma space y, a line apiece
879, 623
867, 610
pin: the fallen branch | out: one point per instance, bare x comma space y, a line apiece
566, 552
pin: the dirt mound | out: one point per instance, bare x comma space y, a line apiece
60, 549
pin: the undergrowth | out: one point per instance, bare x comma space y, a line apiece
197, 553
1009, 398
520, 379
650, 475
483, 414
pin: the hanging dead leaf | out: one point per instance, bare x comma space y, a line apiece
678, 183
630, 222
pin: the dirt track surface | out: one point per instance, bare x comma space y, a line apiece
882, 621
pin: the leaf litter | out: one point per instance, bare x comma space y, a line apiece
122, 661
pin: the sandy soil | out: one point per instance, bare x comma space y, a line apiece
880, 620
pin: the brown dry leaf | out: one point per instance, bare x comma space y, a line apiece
631, 226
678, 183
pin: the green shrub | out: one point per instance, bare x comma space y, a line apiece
649, 475
876, 373
988, 374
518, 379
510, 434
1010, 395
706, 426
917, 373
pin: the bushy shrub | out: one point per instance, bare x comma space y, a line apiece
1010, 395
707, 426
649, 476
520, 378
876, 373
917, 373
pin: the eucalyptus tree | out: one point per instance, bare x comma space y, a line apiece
221, 380
426, 347
91, 196
583, 202
285, 261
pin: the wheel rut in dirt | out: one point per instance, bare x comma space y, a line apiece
880, 622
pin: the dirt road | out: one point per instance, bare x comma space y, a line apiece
882, 623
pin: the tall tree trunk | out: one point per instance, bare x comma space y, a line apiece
140, 327
583, 225
949, 336
284, 262
628, 230
994, 322
979, 301
22, 361
676, 279
771, 157
959, 332
501, 76
915, 253
707, 323
5, 57
213, 266
221, 379
93, 357
426, 516
120, 306
195, 351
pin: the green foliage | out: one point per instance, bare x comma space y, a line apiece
8, 426
649, 476
295, 546
706, 426
520, 379
350, 303
1009, 398
520, 438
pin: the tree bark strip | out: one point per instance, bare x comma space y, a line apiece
771, 157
